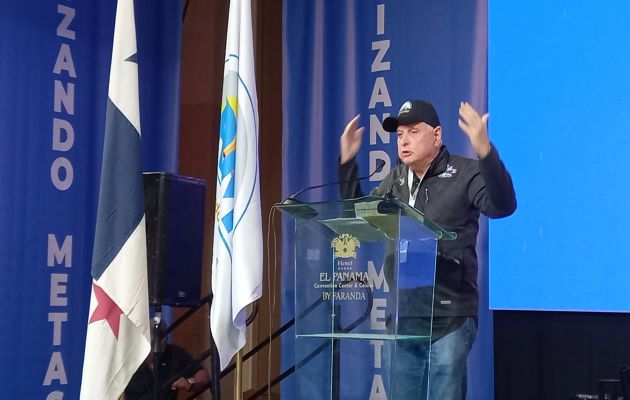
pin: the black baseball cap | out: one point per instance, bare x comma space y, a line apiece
412, 112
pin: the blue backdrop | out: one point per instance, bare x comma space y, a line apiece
54, 67
344, 58
559, 103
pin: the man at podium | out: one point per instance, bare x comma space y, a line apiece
452, 191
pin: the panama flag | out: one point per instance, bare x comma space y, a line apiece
237, 251
117, 340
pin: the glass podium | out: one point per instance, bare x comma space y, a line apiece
364, 278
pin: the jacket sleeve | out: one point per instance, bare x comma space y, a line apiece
349, 187
181, 359
491, 189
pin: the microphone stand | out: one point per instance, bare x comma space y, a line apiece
156, 349
293, 198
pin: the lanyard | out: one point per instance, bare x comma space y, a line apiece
413, 195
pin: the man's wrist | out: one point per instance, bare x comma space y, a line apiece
483, 149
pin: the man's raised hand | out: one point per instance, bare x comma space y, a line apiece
350, 141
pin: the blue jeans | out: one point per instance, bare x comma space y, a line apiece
447, 370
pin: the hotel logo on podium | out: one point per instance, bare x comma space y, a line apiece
345, 246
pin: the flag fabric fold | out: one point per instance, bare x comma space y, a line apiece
117, 339
237, 249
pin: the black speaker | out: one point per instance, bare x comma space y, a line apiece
174, 211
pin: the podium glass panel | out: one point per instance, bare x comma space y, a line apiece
364, 279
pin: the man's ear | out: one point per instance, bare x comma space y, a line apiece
437, 132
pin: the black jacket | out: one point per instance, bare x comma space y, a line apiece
173, 361
452, 193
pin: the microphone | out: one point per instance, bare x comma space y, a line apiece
390, 191
389, 204
293, 198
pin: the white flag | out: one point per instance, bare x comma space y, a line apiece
237, 256
118, 340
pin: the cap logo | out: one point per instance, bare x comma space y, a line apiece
406, 107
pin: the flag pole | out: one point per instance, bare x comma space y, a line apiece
238, 384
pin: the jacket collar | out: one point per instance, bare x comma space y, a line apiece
439, 163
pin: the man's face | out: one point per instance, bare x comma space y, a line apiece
418, 144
